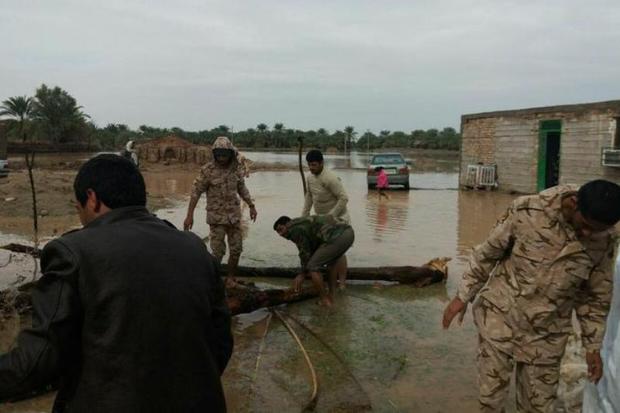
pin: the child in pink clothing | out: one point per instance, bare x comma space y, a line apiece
382, 181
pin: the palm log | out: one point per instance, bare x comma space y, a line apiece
436, 270
240, 299
244, 298
432, 272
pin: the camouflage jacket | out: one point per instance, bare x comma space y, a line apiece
308, 233
222, 186
535, 271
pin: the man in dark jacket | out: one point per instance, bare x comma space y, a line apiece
130, 313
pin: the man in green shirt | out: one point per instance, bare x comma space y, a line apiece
322, 241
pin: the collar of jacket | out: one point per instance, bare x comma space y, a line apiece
551, 202
118, 214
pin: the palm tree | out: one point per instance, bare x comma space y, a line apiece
278, 127
349, 135
261, 127
19, 107
58, 112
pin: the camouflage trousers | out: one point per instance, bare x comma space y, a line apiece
536, 385
216, 239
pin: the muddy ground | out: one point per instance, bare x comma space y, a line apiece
56, 201
389, 337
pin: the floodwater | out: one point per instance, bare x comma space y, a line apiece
442, 161
382, 346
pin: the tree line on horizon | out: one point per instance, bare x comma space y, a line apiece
52, 115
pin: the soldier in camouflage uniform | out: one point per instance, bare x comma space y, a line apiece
550, 254
222, 179
322, 241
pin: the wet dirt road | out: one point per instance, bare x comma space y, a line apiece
388, 338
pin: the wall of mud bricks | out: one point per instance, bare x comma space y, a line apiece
174, 154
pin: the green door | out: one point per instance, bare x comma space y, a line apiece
549, 153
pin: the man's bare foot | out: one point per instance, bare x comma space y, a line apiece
230, 282
325, 302
298, 282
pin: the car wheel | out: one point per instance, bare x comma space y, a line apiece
407, 186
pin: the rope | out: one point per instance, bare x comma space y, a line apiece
261, 347
315, 385
333, 352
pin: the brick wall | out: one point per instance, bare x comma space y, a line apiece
583, 138
510, 140
505, 142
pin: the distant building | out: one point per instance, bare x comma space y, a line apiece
172, 149
533, 149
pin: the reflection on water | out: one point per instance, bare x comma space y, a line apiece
387, 216
169, 183
478, 212
389, 337
421, 160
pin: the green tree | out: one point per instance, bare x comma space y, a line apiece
350, 133
278, 129
262, 127
367, 141
58, 113
19, 107
223, 129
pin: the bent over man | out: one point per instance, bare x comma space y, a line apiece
550, 254
322, 242
129, 314
222, 179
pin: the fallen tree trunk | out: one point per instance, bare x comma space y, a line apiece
432, 272
240, 299
417, 276
22, 249
244, 298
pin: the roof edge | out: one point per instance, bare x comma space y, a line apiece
572, 108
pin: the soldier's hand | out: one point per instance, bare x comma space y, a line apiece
595, 366
455, 307
188, 223
253, 213
298, 282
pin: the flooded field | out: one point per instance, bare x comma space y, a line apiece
422, 160
382, 346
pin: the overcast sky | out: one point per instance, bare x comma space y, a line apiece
397, 65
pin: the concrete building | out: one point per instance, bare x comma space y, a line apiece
533, 149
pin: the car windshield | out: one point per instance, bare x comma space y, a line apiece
387, 159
